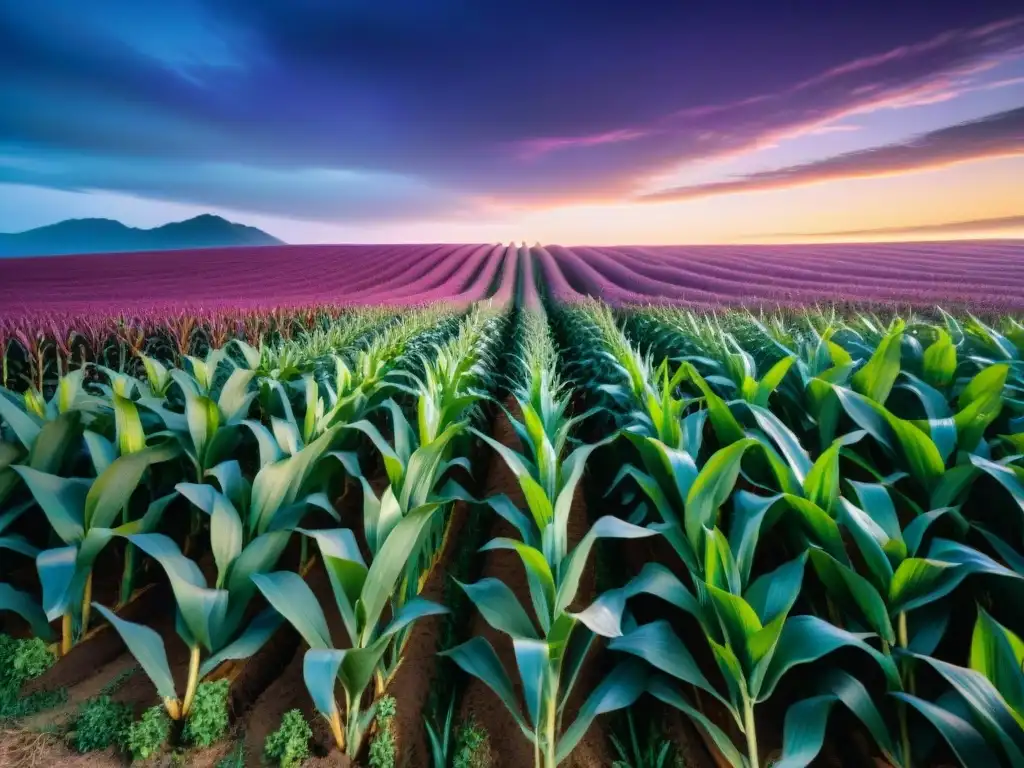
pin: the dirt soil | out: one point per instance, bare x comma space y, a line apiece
411, 683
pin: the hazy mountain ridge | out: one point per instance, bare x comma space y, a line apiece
109, 236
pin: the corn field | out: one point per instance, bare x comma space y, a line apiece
514, 531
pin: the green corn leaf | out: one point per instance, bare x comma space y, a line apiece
900, 437
113, 489
233, 484
773, 594
508, 511
279, 485
605, 615
712, 487
26, 606
540, 577
202, 610
807, 638
749, 513
606, 527
128, 425
286, 433
255, 636
674, 470
292, 598
203, 419
477, 658
804, 731
719, 566
821, 485
500, 607
919, 581
1006, 476
346, 570
872, 539
772, 379
854, 695
235, 399
148, 649
663, 690
620, 689
61, 499
797, 461
56, 568
533, 658
739, 624
226, 535
270, 451
422, 475
854, 594
414, 609
998, 655
979, 405
921, 525
570, 475
727, 429
390, 562
320, 668
971, 560
25, 425
940, 360
963, 738
875, 379
393, 463
101, 450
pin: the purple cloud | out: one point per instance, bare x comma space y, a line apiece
997, 135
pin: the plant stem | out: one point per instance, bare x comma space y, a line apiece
339, 734
750, 730
550, 736
128, 574
66, 637
193, 681
353, 740
173, 708
548, 711
87, 604
907, 675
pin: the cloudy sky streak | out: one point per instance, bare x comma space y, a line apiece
342, 120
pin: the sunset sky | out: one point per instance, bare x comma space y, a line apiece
567, 121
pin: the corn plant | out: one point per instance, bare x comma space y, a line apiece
249, 528
978, 716
550, 646
45, 433
208, 618
129, 437
747, 624
81, 513
361, 593
906, 576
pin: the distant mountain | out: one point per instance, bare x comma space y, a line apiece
107, 236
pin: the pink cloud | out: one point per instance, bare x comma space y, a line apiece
531, 149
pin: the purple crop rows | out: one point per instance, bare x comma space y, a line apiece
984, 276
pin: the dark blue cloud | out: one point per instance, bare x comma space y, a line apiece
432, 105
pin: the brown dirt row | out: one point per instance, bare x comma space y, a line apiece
412, 681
